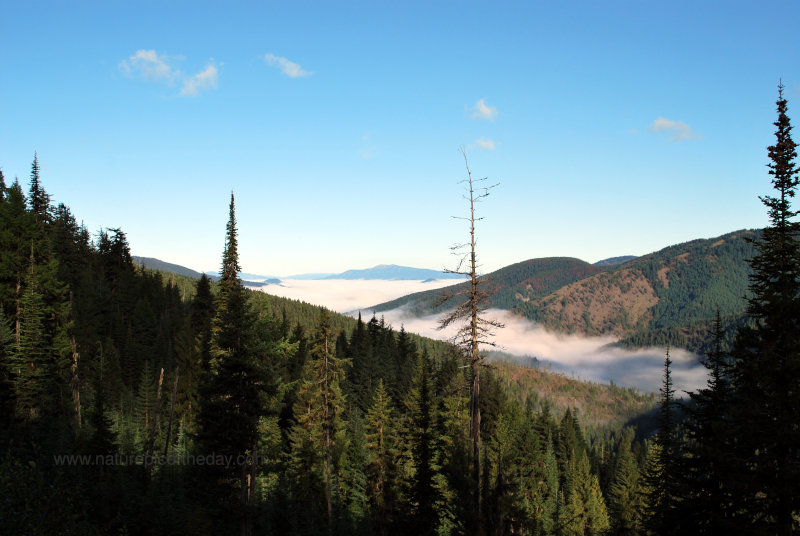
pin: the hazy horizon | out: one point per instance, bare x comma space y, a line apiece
612, 129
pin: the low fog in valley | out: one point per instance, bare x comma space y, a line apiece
347, 295
589, 358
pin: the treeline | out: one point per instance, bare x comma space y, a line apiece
117, 382
129, 407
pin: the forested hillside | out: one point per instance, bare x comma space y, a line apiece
142, 401
536, 277
138, 403
666, 297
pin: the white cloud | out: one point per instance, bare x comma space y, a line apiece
155, 67
205, 79
481, 110
289, 68
148, 64
484, 143
678, 130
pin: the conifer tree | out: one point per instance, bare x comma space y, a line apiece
661, 476
404, 363
547, 516
15, 246
39, 199
423, 492
6, 386
102, 440
705, 472
318, 414
202, 315
767, 354
232, 398
352, 491
624, 493
584, 510
382, 466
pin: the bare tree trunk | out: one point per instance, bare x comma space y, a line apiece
476, 384
474, 330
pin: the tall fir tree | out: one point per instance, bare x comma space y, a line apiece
39, 199
662, 474
423, 493
383, 456
767, 354
318, 415
232, 397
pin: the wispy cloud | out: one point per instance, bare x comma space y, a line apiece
289, 68
205, 79
149, 65
154, 67
484, 143
481, 110
677, 130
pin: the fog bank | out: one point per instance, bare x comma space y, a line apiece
589, 358
346, 295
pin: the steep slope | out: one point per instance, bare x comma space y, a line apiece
524, 281
666, 296
669, 296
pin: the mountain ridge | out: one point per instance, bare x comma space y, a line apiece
665, 297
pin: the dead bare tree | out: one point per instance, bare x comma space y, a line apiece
474, 329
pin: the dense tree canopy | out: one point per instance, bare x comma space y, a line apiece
138, 402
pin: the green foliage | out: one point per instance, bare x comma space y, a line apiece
370, 420
584, 511
625, 497
525, 280
689, 282
766, 374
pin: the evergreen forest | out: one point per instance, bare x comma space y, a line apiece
135, 401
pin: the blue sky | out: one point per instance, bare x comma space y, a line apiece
612, 127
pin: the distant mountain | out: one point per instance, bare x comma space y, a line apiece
669, 296
156, 264
245, 276
309, 277
613, 261
389, 272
